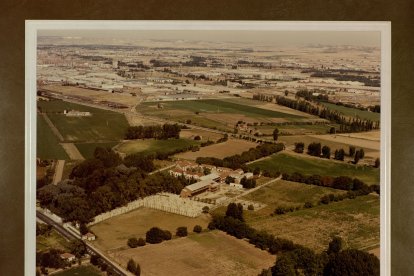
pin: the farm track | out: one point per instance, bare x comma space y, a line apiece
52, 127
72, 151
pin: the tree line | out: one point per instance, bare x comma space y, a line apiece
340, 182
156, 131
239, 160
345, 125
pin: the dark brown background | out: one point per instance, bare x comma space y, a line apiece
14, 12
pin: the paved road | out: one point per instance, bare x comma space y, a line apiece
91, 249
57, 177
163, 169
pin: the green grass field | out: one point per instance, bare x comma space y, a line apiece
54, 240
103, 125
288, 194
48, 146
286, 163
87, 149
354, 112
356, 221
84, 270
150, 145
220, 106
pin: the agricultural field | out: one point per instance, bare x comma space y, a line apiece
151, 145
103, 125
353, 112
306, 165
87, 149
356, 221
299, 129
220, 150
216, 114
204, 134
95, 95
115, 232
209, 253
84, 270
369, 141
54, 240
48, 146
287, 194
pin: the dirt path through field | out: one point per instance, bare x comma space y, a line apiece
72, 151
52, 127
57, 177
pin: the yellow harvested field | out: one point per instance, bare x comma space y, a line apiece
115, 232
221, 150
208, 254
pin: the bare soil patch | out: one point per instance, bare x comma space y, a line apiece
211, 253
115, 232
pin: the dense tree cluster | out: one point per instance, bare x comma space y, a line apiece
50, 258
339, 155
367, 81
235, 211
99, 185
248, 183
238, 160
310, 95
352, 262
315, 149
299, 147
154, 131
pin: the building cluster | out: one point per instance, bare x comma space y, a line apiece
75, 113
208, 177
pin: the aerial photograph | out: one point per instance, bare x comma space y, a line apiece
207, 152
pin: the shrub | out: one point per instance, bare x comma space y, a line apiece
308, 204
132, 242
155, 235
250, 207
181, 231
141, 242
197, 229
167, 235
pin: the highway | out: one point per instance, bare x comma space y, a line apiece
91, 250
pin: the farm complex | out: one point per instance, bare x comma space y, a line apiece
181, 157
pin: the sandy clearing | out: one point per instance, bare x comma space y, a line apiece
209, 254
221, 150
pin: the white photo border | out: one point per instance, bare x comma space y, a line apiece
33, 26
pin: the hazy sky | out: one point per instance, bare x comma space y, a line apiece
277, 38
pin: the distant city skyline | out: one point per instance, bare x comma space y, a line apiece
260, 38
